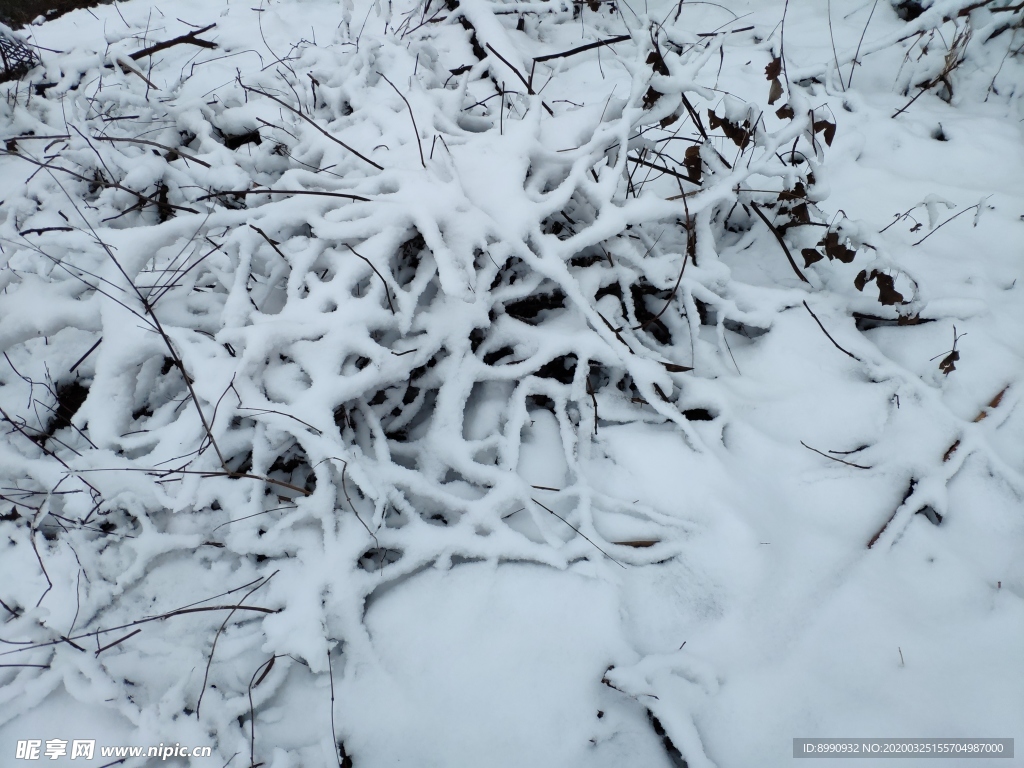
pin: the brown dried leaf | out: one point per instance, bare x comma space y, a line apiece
673, 368
836, 250
827, 129
799, 192
950, 451
811, 256
655, 60
739, 135
887, 293
993, 403
785, 112
948, 364
692, 163
651, 97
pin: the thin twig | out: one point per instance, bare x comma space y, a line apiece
582, 48
334, 732
834, 342
101, 182
125, 65
408, 106
216, 637
940, 226
856, 55
282, 192
578, 531
82, 358
835, 56
201, 472
190, 38
147, 620
154, 144
529, 86
117, 642
847, 463
265, 667
778, 236
330, 136
385, 282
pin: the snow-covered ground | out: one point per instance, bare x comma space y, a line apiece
639, 405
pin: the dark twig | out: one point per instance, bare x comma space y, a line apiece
835, 56
847, 463
940, 226
662, 168
190, 38
385, 282
265, 668
577, 531
82, 358
147, 620
282, 192
330, 136
154, 144
834, 342
216, 637
34, 666
334, 732
778, 236
143, 199
41, 230
582, 48
35, 548
668, 301
117, 642
202, 472
856, 55
408, 106
529, 86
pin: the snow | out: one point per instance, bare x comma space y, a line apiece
519, 442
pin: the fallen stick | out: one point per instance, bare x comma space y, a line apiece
190, 38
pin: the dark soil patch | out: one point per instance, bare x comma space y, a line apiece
17, 13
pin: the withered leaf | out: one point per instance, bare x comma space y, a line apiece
836, 250
775, 92
692, 163
811, 256
911, 320
774, 69
887, 293
739, 135
673, 368
862, 279
948, 364
798, 192
655, 59
827, 129
801, 214
785, 112
651, 97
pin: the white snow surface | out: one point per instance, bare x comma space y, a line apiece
525, 441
